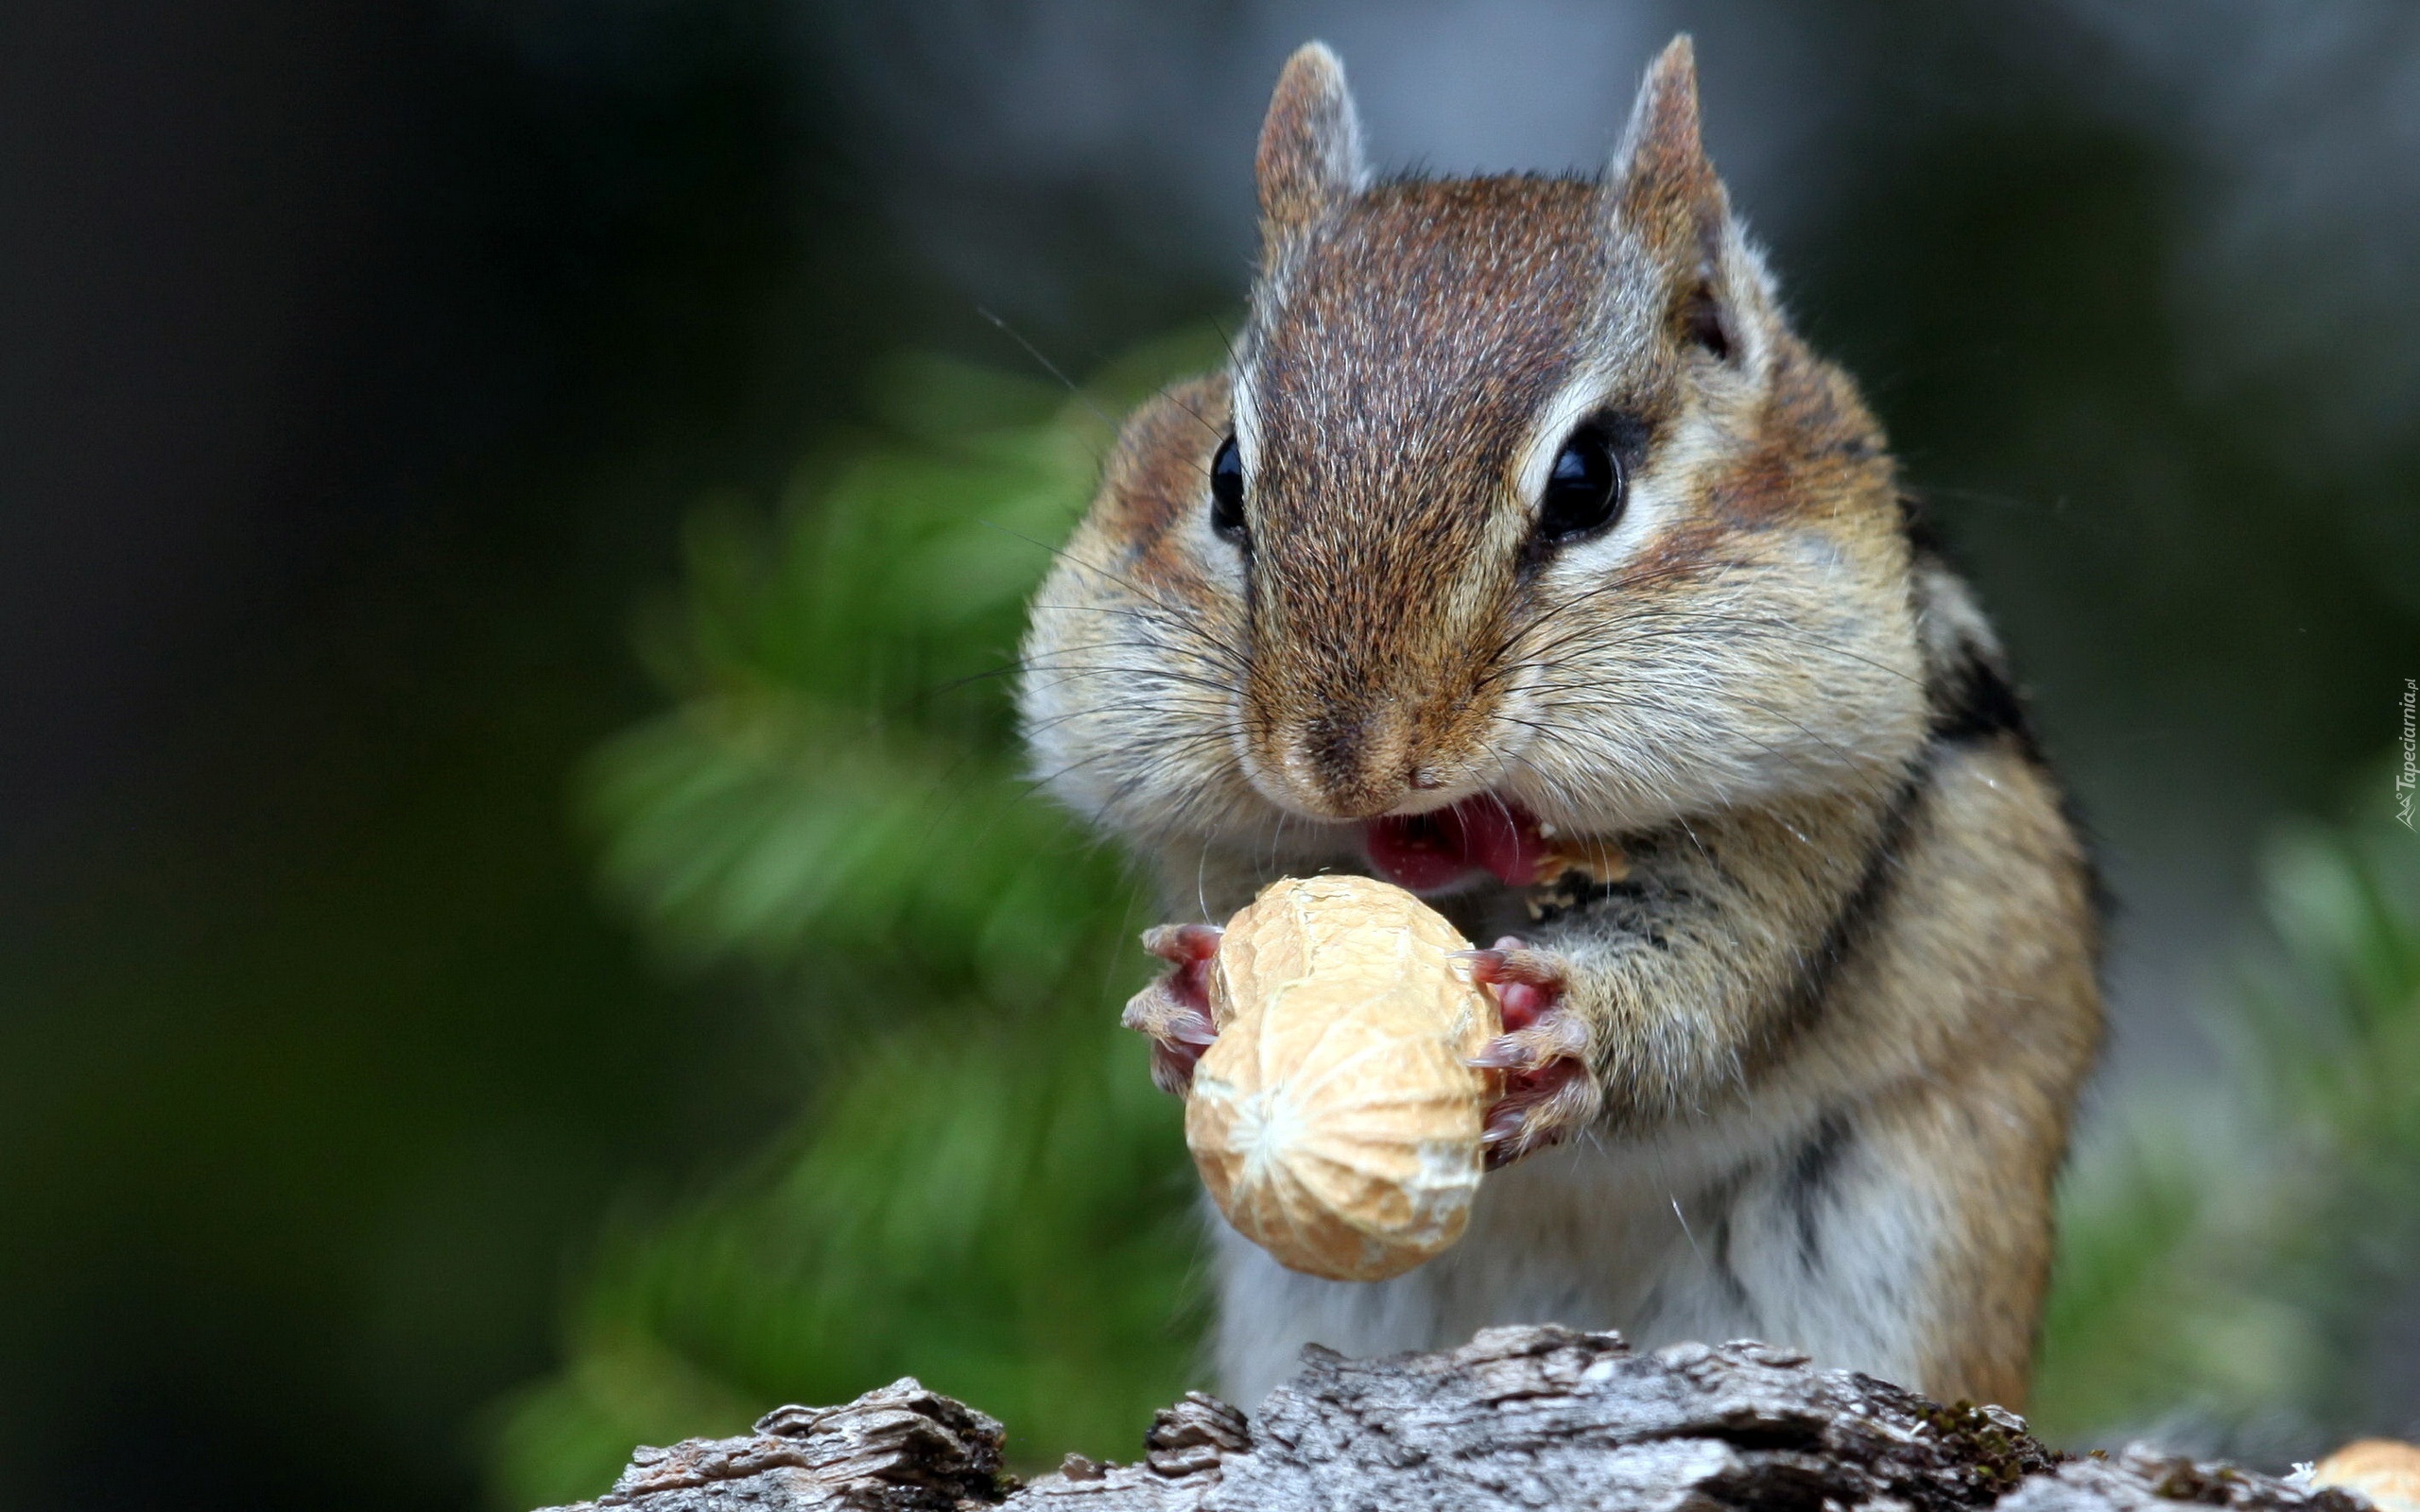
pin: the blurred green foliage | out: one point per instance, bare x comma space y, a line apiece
2226, 1252
986, 1192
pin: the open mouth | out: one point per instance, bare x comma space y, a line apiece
1428, 852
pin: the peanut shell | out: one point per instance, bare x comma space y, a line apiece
2386, 1472
1333, 1120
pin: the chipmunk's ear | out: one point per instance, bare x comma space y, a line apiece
1661, 178
1310, 148
1665, 193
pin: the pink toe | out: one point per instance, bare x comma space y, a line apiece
1522, 1004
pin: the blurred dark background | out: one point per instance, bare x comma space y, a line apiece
361, 361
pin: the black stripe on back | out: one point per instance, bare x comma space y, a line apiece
1974, 701
1855, 918
1807, 1182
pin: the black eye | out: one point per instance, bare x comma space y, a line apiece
1584, 491
1227, 491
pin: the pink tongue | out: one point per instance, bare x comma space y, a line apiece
1430, 851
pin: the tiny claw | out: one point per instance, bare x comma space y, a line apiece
1539, 1109
1188, 1027
1183, 943
1511, 960
1548, 1093
1502, 1053
1527, 983
1555, 1037
1179, 1032
1174, 1010
1504, 945
1501, 1123
1190, 948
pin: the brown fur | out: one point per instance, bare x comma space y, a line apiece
1832, 1024
1385, 409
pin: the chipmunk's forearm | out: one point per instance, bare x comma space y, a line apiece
1695, 971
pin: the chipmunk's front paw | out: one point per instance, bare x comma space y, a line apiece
1548, 1093
1175, 1009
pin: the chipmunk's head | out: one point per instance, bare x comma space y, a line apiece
1517, 488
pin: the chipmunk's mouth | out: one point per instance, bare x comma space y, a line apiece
1433, 851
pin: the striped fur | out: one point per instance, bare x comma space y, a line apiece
1835, 1018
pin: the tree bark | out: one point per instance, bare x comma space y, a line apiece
1518, 1418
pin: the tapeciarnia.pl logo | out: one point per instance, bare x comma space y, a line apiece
2406, 780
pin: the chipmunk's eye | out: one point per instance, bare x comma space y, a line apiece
1227, 491
1584, 491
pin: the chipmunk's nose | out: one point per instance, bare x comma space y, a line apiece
1351, 762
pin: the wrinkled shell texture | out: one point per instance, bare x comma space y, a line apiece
1333, 1119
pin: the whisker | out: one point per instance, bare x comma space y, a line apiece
1030, 664
1048, 367
1182, 613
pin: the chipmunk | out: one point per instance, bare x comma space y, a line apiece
1520, 525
